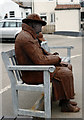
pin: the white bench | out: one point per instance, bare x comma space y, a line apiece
14, 72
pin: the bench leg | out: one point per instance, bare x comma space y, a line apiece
15, 101
47, 96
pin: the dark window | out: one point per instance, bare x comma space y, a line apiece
12, 14
19, 24
52, 17
27, 13
82, 16
82, 4
10, 24
44, 18
71, 0
6, 24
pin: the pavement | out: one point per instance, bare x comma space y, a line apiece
26, 99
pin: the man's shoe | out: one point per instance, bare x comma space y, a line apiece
69, 108
70, 102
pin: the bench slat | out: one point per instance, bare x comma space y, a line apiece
11, 53
31, 113
50, 68
61, 47
30, 87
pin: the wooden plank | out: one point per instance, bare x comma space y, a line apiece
61, 47
65, 59
31, 113
10, 118
11, 53
17, 118
30, 87
17, 73
50, 68
24, 118
44, 45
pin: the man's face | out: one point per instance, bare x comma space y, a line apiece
37, 27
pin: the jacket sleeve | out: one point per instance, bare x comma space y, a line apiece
35, 53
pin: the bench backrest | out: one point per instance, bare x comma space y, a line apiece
44, 45
9, 58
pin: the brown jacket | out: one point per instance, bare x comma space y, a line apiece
29, 52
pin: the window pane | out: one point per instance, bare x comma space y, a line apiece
12, 13
43, 18
52, 17
12, 24
19, 24
6, 24
82, 4
1, 24
27, 13
82, 16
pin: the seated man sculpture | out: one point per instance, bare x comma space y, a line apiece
29, 52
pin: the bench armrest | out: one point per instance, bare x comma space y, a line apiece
49, 68
64, 47
61, 47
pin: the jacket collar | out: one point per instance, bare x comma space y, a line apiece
29, 29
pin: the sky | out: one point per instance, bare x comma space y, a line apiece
3, 1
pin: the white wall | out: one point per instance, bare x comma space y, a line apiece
68, 2
9, 6
23, 11
67, 20
44, 6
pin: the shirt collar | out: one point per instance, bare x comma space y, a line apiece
29, 29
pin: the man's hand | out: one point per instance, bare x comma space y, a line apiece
56, 53
63, 64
